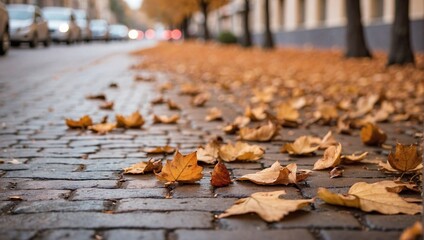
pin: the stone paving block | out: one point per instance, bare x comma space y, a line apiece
34, 195
16, 235
390, 222
248, 234
355, 235
242, 222
134, 234
67, 234
202, 190
85, 220
181, 204
4, 205
313, 219
328, 182
240, 189
94, 193
141, 181
62, 175
59, 206
64, 184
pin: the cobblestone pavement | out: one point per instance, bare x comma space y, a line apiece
71, 182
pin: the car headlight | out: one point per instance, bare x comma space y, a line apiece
64, 28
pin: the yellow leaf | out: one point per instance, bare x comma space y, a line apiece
102, 128
208, 154
144, 167
165, 149
165, 119
240, 152
183, 169
405, 158
372, 135
354, 158
378, 197
214, 114
135, 120
304, 145
263, 133
83, 122
268, 205
330, 159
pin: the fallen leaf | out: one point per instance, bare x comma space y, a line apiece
371, 197
276, 174
286, 112
113, 85
189, 89
200, 99
405, 158
158, 100
135, 120
336, 172
327, 141
208, 154
331, 158
144, 167
214, 114
240, 152
388, 168
172, 105
15, 198
263, 133
99, 96
102, 128
144, 78
165, 119
364, 105
301, 146
106, 106
412, 233
326, 113
239, 122
83, 122
268, 205
256, 114
354, 158
372, 135
182, 169
165, 87
220, 175
14, 161
157, 150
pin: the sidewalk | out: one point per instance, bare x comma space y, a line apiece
69, 183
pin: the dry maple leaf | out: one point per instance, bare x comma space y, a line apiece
405, 158
354, 158
301, 146
413, 232
268, 205
182, 169
165, 119
364, 105
256, 114
326, 113
106, 106
172, 105
157, 150
371, 197
220, 175
208, 154
200, 99
263, 133
276, 174
83, 122
240, 152
135, 120
372, 135
102, 128
286, 112
327, 141
144, 167
214, 114
388, 168
99, 96
331, 158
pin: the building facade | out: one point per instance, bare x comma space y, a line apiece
318, 23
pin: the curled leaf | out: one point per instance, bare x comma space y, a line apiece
405, 158
208, 154
172, 105
372, 135
301, 146
165, 119
135, 120
263, 133
286, 112
354, 158
336, 172
240, 152
330, 159
144, 167
255, 114
220, 175
83, 122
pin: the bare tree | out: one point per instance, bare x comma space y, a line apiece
356, 45
268, 40
247, 38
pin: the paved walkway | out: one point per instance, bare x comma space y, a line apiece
69, 184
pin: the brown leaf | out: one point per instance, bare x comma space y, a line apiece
412, 233
239, 122
158, 100
286, 112
172, 105
189, 89
135, 120
165, 119
405, 158
371, 197
15, 198
330, 159
183, 169
372, 135
354, 158
200, 99
326, 113
276, 174
336, 172
157, 150
144, 78
106, 106
304, 145
220, 176
268, 205
83, 122
99, 96
102, 128
364, 105
255, 114
240, 152
144, 167
388, 168
208, 154
327, 141
214, 114
263, 133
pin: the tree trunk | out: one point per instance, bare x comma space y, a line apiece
356, 45
184, 28
400, 45
268, 41
247, 38
204, 8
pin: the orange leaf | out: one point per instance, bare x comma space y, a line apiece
182, 169
220, 176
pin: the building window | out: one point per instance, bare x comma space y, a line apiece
322, 10
377, 9
281, 12
301, 12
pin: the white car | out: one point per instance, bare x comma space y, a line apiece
84, 24
27, 25
62, 24
99, 29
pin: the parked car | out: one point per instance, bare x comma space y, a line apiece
27, 25
99, 29
84, 24
62, 24
4, 30
118, 32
